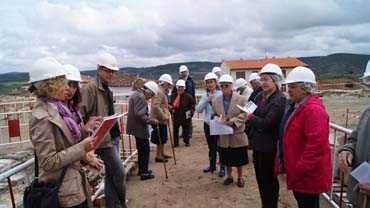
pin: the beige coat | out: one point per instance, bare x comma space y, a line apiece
94, 103
55, 149
247, 92
239, 138
159, 106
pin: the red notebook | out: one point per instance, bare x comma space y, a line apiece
104, 127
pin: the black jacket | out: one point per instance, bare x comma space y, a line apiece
189, 87
263, 127
254, 93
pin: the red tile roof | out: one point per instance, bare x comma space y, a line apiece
259, 63
123, 79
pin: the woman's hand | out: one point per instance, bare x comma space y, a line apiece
209, 98
92, 160
365, 188
344, 160
89, 143
92, 124
226, 120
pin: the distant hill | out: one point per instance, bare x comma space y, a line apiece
339, 63
334, 64
14, 77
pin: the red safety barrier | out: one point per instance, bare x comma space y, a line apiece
14, 128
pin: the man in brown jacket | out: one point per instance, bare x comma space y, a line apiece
137, 125
160, 112
97, 100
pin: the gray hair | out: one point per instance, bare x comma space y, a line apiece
277, 79
306, 86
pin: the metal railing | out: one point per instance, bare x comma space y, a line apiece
335, 130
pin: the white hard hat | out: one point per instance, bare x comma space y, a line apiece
254, 76
300, 74
45, 68
152, 86
210, 75
367, 70
216, 69
240, 83
166, 78
183, 68
226, 78
108, 60
73, 74
271, 69
180, 83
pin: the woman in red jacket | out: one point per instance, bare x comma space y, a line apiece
304, 132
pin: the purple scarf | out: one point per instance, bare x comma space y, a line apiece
67, 116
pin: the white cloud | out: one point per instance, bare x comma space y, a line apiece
147, 33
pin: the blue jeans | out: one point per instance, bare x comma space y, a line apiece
115, 183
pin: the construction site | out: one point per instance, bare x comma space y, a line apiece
181, 183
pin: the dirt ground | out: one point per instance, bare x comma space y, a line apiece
188, 186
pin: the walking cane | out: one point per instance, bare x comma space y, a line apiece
160, 143
171, 140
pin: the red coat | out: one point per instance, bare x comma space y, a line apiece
306, 148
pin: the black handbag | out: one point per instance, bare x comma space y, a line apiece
42, 195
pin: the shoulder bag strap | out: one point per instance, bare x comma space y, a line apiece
60, 181
36, 165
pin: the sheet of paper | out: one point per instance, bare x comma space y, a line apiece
250, 107
362, 172
218, 128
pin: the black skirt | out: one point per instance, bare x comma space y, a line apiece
234, 157
162, 133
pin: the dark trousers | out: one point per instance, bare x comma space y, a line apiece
212, 146
143, 150
307, 200
268, 184
185, 133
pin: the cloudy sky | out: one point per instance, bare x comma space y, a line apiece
148, 33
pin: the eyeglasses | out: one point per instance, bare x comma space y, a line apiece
224, 85
265, 79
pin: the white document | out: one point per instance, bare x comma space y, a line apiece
218, 128
250, 107
188, 114
362, 172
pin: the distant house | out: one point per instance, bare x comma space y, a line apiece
243, 68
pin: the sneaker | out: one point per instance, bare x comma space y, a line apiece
160, 159
148, 172
221, 173
208, 169
228, 181
240, 182
144, 177
187, 144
